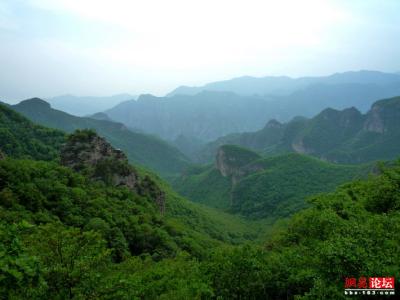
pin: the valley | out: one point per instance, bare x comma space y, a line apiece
249, 215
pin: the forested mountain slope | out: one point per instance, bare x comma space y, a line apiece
250, 185
210, 114
345, 136
142, 149
54, 245
20, 138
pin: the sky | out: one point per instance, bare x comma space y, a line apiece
99, 48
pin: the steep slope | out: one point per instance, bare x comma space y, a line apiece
20, 138
142, 149
263, 187
53, 189
345, 136
260, 140
284, 182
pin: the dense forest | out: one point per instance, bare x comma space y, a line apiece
142, 149
205, 150
84, 229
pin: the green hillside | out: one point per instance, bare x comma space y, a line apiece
208, 187
20, 138
99, 232
281, 188
267, 187
63, 237
142, 149
345, 136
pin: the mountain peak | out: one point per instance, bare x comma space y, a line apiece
273, 123
36, 102
87, 152
384, 116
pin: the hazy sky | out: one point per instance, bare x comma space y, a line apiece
95, 47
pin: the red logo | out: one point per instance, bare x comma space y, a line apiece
381, 282
372, 286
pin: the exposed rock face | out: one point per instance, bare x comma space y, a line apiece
298, 146
86, 149
86, 152
233, 161
384, 117
374, 122
2, 155
223, 163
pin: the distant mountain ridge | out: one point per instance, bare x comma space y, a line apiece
284, 85
346, 136
140, 148
210, 114
204, 116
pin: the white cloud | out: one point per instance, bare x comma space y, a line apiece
191, 34
105, 47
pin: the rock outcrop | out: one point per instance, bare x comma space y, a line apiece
374, 122
235, 162
2, 155
92, 155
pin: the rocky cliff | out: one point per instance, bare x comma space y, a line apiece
92, 155
374, 122
234, 161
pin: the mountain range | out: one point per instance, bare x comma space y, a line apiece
284, 85
78, 220
241, 181
345, 136
208, 114
142, 149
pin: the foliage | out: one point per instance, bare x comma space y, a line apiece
281, 188
142, 149
349, 233
20, 138
277, 187
20, 272
207, 187
65, 236
238, 156
340, 136
46, 191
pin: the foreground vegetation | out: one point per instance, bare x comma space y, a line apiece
65, 234
67, 239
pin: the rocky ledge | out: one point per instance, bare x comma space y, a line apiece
92, 155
